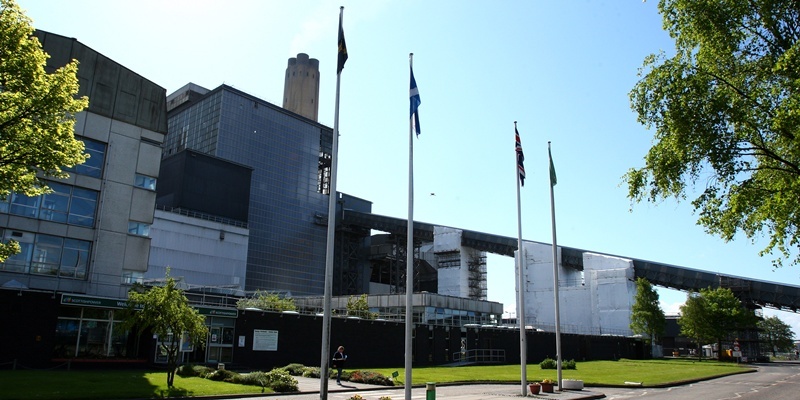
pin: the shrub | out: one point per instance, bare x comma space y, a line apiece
295, 369
355, 397
280, 381
222, 375
370, 377
384, 398
255, 378
311, 372
187, 370
549, 363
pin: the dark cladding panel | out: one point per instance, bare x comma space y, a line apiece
210, 185
103, 91
113, 90
58, 47
126, 107
86, 60
152, 107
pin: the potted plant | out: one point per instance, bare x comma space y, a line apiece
535, 387
547, 385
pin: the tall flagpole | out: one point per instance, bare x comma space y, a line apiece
555, 265
325, 356
409, 250
523, 348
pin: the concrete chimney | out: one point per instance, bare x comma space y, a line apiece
301, 87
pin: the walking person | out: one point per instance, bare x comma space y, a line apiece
338, 362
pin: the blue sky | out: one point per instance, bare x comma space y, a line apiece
562, 69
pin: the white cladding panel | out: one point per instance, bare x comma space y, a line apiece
595, 301
202, 252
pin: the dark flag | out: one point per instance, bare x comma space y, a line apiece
553, 179
342, 50
520, 158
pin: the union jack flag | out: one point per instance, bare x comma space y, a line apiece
520, 159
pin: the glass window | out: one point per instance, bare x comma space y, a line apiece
55, 205
138, 228
47, 255
75, 259
94, 164
24, 205
83, 207
66, 204
144, 181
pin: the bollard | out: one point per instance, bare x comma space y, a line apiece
430, 391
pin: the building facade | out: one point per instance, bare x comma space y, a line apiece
91, 235
288, 200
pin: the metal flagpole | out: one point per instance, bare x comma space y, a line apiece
555, 267
409, 250
325, 357
523, 348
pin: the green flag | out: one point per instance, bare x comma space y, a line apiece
553, 179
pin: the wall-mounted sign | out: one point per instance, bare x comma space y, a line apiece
265, 340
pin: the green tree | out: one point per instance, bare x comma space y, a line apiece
725, 113
359, 307
37, 113
714, 315
647, 317
775, 334
166, 312
267, 301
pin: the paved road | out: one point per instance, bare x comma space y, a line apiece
772, 381
309, 390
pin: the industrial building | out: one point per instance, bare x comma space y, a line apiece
229, 193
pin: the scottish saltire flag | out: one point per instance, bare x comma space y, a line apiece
413, 94
520, 159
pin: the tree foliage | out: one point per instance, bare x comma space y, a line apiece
726, 114
647, 317
775, 334
37, 113
713, 315
166, 312
269, 301
359, 307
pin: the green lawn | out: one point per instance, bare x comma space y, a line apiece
593, 373
128, 384
58, 384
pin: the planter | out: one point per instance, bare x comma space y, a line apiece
572, 384
547, 387
535, 388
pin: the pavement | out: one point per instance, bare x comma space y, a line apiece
475, 391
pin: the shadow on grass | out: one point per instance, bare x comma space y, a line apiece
174, 392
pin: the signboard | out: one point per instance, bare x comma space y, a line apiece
93, 301
265, 340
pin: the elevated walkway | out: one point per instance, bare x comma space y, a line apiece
761, 293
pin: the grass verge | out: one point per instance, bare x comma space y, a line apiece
593, 373
90, 385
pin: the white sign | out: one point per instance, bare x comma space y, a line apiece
241, 341
737, 354
265, 340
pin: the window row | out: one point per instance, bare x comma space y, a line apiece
66, 204
93, 166
47, 255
